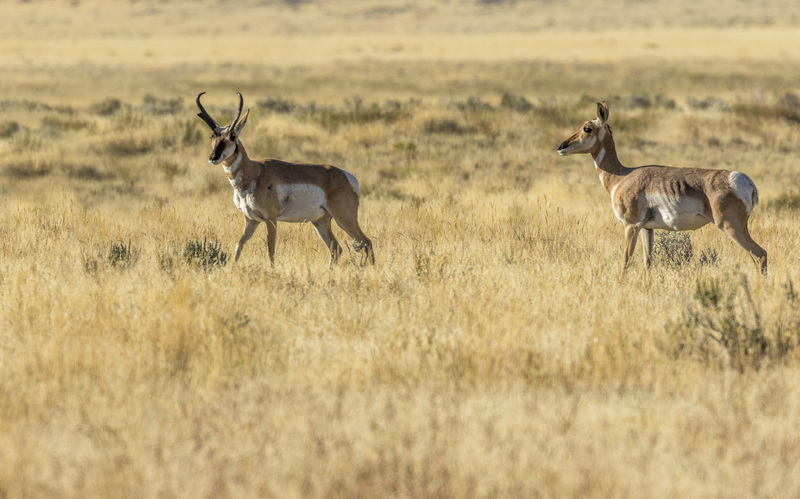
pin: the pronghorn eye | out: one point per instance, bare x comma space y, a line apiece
587, 129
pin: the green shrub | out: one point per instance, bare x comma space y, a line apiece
673, 248
204, 255
106, 108
709, 104
121, 256
65, 124
154, 105
26, 142
34, 169
170, 169
276, 105
709, 257
8, 129
406, 147
473, 104
190, 132
788, 200
724, 326
129, 146
516, 102
355, 112
787, 109
444, 126
88, 172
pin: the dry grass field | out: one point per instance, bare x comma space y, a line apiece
495, 350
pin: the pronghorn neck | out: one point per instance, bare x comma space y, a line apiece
606, 162
238, 167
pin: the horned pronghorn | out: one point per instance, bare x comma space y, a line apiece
667, 198
273, 191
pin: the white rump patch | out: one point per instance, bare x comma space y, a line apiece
674, 212
353, 182
301, 203
745, 189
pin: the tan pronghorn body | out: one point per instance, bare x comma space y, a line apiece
275, 191
667, 198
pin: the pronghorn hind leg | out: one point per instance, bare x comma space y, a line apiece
323, 226
631, 232
249, 228
647, 245
738, 233
350, 225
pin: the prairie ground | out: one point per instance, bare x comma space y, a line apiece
495, 350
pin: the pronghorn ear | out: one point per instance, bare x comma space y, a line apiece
602, 113
242, 122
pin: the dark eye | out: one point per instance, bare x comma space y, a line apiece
587, 129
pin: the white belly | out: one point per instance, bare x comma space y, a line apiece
674, 213
301, 203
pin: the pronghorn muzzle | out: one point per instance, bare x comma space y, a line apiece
563, 148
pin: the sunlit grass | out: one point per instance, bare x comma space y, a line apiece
495, 350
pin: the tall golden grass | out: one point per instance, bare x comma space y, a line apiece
495, 350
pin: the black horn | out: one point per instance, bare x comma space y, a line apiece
239, 112
203, 114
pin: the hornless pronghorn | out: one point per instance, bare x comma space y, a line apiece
667, 198
273, 191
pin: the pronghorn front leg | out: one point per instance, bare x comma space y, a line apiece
631, 231
249, 228
647, 245
272, 233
